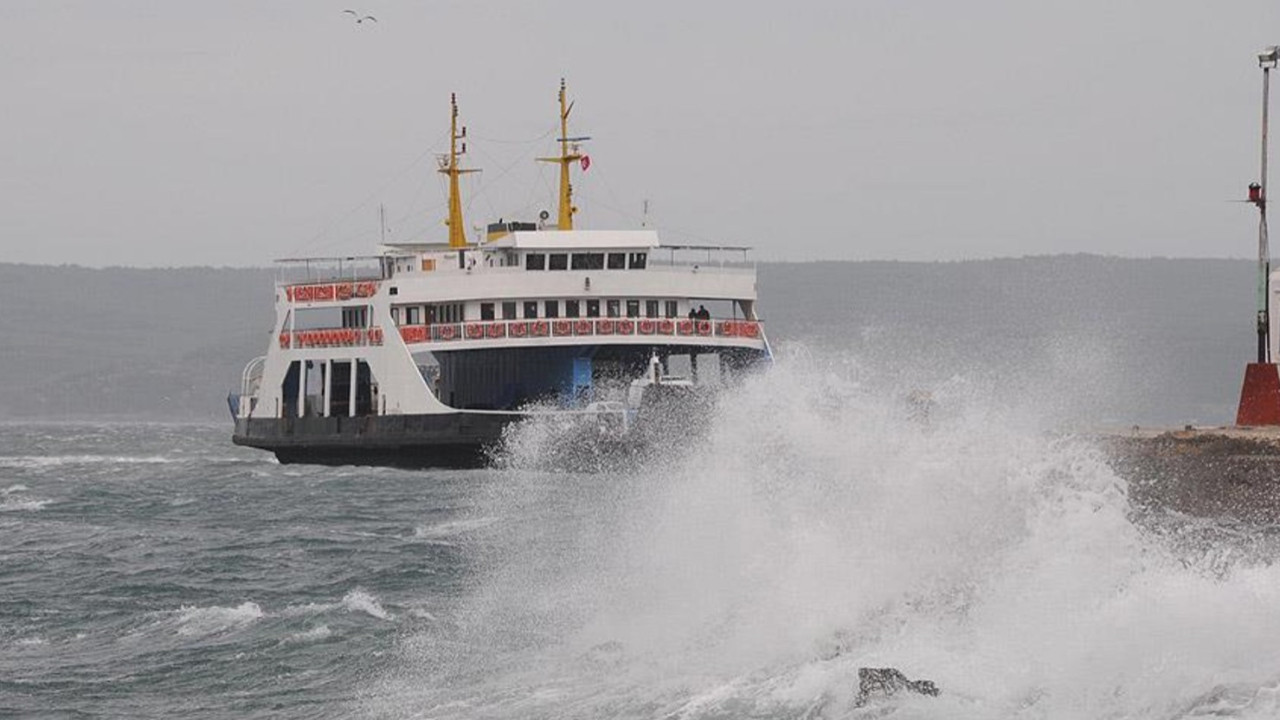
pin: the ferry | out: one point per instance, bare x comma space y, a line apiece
421, 354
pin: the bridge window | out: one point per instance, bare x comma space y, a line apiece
672, 308
651, 308
571, 308
613, 308
535, 261
593, 308
558, 261
638, 260
551, 308
531, 309
486, 311
587, 261
508, 311
413, 315
617, 261
633, 308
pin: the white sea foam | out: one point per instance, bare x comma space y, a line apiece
198, 621
359, 600
319, 632
817, 530
14, 489
23, 505
452, 528
41, 461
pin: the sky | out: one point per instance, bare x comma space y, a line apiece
164, 133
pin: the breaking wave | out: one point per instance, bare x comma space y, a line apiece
822, 525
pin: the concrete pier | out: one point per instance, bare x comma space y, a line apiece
1209, 472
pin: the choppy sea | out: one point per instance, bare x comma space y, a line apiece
152, 570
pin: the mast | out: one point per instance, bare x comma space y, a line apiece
1267, 60
568, 155
449, 166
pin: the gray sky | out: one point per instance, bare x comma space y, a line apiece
235, 132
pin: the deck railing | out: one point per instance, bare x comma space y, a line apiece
567, 327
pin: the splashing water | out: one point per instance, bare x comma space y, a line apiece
816, 529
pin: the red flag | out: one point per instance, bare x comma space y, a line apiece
586, 162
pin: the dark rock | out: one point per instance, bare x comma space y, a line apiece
885, 682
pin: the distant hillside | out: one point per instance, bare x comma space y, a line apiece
1132, 340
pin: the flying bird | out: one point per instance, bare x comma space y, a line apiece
358, 17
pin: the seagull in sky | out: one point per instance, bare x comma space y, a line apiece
358, 17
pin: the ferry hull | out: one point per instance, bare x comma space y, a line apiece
449, 440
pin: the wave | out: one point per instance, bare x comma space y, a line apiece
818, 527
23, 505
452, 528
362, 601
42, 461
200, 621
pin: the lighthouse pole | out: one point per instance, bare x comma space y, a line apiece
1267, 60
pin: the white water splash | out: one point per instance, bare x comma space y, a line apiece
817, 530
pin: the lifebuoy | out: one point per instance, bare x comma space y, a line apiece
445, 332
750, 329
685, 327
604, 327
344, 292
284, 339
517, 329
495, 330
582, 327
562, 327
539, 329
665, 327
626, 327
474, 331
646, 327
704, 327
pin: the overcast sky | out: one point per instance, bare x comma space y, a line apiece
235, 132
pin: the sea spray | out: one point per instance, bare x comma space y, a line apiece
818, 527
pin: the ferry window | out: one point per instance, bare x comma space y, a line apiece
486, 311
593, 308
672, 308
617, 261
395, 316
508, 311
571, 308
638, 260
633, 308
651, 308
531, 309
613, 307
587, 261
558, 261
551, 308
393, 291
535, 261
413, 315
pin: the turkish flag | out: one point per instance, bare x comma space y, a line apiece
586, 162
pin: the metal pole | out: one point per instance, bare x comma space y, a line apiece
1264, 253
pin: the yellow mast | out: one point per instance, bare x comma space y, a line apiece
449, 166
568, 155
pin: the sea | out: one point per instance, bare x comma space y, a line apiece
821, 524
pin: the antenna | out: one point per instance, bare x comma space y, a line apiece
569, 154
382, 222
644, 216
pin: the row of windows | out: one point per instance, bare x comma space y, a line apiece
586, 261
428, 314
580, 308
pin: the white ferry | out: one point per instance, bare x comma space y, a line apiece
421, 354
